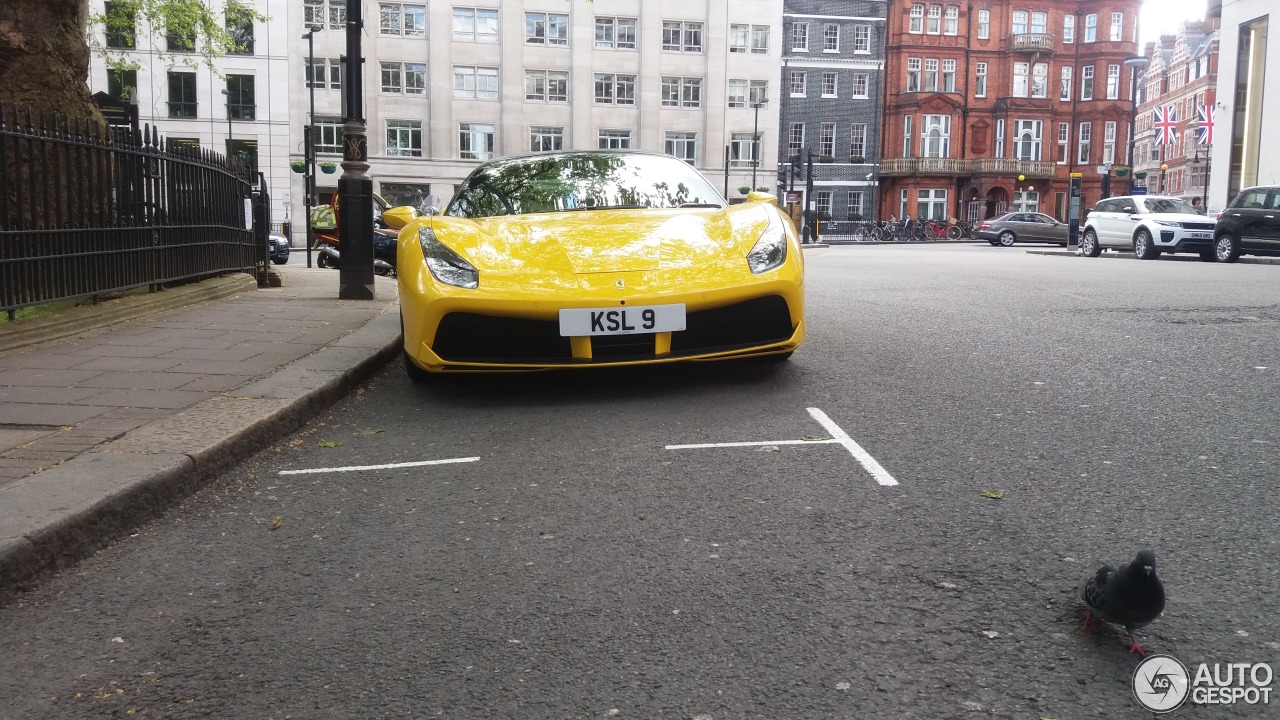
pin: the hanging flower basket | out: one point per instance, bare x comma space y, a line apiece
328, 168
762, 189
298, 165
1121, 170
744, 189
1140, 175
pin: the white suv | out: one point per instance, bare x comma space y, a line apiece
1147, 225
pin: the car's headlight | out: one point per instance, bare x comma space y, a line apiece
1167, 223
445, 264
770, 251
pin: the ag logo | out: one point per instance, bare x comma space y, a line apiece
1161, 683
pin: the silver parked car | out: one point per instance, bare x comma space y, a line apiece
1021, 227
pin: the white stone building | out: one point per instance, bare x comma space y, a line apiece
176, 93
1246, 153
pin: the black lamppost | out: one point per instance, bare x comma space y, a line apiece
309, 145
227, 95
1163, 168
755, 144
355, 188
1136, 64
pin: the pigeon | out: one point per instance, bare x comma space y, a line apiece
1131, 596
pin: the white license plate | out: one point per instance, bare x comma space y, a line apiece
623, 320
1201, 236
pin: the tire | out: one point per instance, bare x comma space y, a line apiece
1226, 249
1007, 239
860, 235
994, 243
1089, 246
280, 261
954, 232
1144, 247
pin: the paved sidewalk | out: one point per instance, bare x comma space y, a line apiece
101, 431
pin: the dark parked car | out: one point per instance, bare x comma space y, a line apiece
1250, 225
278, 248
1021, 227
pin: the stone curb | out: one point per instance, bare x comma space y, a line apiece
63, 514
1245, 260
67, 323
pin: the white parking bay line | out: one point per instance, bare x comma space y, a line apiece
877, 471
388, 466
751, 444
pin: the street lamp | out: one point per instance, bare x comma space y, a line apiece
1136, 64
1163, 168
227, 95
308, 145
755, 143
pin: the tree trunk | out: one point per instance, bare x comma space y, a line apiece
44, 58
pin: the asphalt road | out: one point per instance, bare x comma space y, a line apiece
580, 569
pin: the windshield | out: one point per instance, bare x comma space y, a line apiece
581, 181
1169, 205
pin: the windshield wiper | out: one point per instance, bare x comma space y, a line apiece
700, 205
607, 207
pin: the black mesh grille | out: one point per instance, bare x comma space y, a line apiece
754, 322
1198, 225
468, 337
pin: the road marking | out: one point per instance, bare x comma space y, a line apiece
751, 444
388, 466
877, 471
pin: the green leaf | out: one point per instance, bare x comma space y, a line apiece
993, 494
365, 432
329, 443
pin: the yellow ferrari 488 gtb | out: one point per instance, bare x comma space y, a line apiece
591, 259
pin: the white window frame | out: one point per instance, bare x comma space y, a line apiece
401, 12
1086, 82
980, 80
916, 26
472, 17
830, 84
545, 78
736, 93
1113, 82
799, 83
682, 145
951, 20
795, 139
827, 140
931, 75
614, 83
984, 24
1117, 26
1021, 86
1064, 142
1040, 80
1000, 137
861, 83
934, 24
800, 37
1064, 83
932, 203
1085, 139
613, 139
913, 75
758, 92
935, 136
858, 141
760, 39
1068, 28
862, 39
1109, 142
742, 150
610, 31
554, 29
689, 36
1028, 135
409, 131
1018, 21
739, 38
469, 134
1039, 23
856, 205
544, 138
948, 75
483, 82
830, 38
1090, 28
682, 92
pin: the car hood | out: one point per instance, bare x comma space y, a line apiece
604, 241
1176, 217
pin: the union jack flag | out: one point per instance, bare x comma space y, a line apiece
1165, 121
1204, 134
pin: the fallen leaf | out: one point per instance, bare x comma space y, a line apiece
368, 431
329, 443
276, 522
295, 442
990, 633
993, 494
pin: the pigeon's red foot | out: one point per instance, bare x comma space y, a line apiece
1088, 620
1134, 647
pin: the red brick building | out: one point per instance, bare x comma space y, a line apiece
979, 95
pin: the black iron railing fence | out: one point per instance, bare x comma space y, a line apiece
85, 212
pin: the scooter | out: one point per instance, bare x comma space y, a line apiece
385, 234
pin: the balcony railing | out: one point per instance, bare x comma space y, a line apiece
960, 166
923, 166
1012, 166
1033, 42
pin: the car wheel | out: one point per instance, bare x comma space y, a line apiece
1226, 249
280, 261
1089, 246
1144, 247
1006, 239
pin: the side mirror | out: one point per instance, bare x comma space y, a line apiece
1129, 209
433, 210
398, 217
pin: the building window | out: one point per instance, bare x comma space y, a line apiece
546, 28
615, 89
121, 26
182, 94
246, 151
759, 92
737, 93
616, 33
683, 92
405, 78
760, 39
860, 83
1000, 138
240, 28
1064, 142
741, 150
546, 85
913, 74
1086, 135
1113, 82
855, 205
935, 136
475, 82
325, 73
327, 134
931, 75
546, 139
932, 204
122, 84
1109, 142
475, 141
935, 19
827, 140
739, 38
1117, 26
478, 25
902, 204
1021, 79
858, 143
799, 80
1064, 89
1040, 80
984, 24
822, 203
337, 15
949, 76
1039, 23
862, 38
683, 145
906, 138
951, 20
917, 19
1086, 82
1026, 201
800, 37
240, 100
831, 38
1027, 136
1019, 22
404, 138
680, 36
795, 139
1068, 28
312, 13
980, 80
1090, 28
614, 140
829, 84
402, 19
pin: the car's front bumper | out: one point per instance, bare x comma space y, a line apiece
1177, 240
